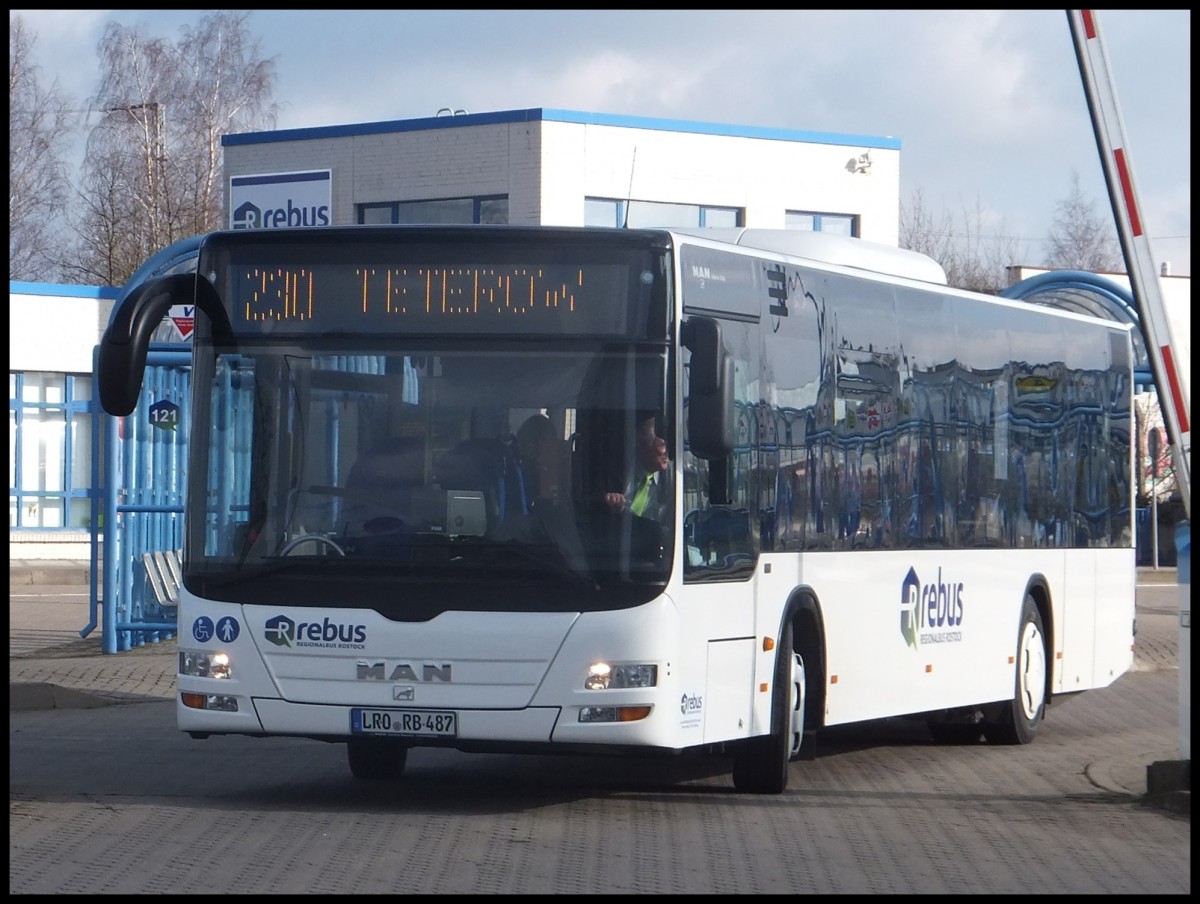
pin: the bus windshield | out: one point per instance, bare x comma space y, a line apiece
444, 464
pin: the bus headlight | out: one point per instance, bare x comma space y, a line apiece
602, 676
613, 713
204, 664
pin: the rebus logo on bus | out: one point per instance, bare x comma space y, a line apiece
280, 200
937, 604
283, 632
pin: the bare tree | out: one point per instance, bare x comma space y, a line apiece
40, 123
108, 201
232, 92
124, 207
971, 258
1081, 239
1156, 467
153, 171
921, 231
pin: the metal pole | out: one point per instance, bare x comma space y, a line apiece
1153, 447
1154, 519
1183, 551
1173, 392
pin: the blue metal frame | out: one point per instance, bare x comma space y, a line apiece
149, 467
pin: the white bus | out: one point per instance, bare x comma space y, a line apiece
884, 497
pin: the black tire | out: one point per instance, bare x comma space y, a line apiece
760, 766
1018, 722
376, 759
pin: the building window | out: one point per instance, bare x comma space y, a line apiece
50, 450
836, 223
601, 212
657, 214
714, 217
440, 211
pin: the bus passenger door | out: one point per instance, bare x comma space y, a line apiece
721, 541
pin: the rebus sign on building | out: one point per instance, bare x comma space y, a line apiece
280, 200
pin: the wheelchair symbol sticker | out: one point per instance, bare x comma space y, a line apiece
202, 629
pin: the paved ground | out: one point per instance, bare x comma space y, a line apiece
52, 667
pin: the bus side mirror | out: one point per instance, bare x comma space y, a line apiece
121, 361
710, 390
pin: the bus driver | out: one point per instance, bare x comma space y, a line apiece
647, 490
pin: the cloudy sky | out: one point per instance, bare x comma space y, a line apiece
988, 105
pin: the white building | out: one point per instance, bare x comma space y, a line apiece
567, 168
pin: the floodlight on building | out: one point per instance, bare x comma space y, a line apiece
860, 164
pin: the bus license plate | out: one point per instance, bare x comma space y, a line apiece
404, 722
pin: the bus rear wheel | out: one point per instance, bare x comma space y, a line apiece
760, 766
376, 759
1019, 720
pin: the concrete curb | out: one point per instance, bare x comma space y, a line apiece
49, 571
1169, 786
1164, 784
26, 697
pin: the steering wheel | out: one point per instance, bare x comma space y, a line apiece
303, 538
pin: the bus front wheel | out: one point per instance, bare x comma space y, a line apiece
1018, 721
376, 759
760, 766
